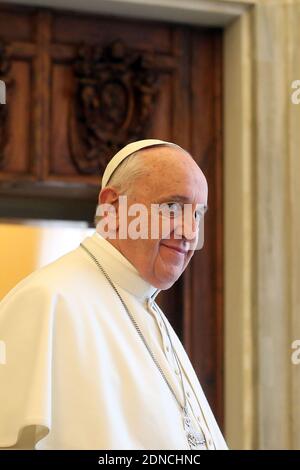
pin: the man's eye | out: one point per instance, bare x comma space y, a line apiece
199, 214
174, 206
170, 209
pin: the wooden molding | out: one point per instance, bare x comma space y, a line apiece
200, 12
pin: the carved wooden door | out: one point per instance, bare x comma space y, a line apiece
78, 88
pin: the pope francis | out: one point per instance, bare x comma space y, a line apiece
91, 360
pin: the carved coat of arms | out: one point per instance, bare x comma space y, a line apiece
114, 97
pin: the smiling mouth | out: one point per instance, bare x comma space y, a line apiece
176, 249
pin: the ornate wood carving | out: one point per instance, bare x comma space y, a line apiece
115, 94
5, 66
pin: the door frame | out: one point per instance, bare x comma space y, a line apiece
236, 19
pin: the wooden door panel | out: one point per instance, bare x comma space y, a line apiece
61, 92
204, 331
17, 24
143, 35
18, 155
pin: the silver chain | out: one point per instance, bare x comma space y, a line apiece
190, 436
183, 407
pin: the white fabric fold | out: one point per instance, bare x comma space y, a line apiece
77, 375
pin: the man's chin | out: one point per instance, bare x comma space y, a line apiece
168, 281
167, 286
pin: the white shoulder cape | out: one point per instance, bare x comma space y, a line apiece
76, 375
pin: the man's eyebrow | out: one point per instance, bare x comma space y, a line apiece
175, 198
180, 198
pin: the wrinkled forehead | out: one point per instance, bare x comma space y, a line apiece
163, 153
173, 172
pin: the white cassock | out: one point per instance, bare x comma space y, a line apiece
78, 376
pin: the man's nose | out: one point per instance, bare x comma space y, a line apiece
188, 227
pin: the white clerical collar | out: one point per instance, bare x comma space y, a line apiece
119, 269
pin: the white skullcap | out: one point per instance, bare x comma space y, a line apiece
128, 150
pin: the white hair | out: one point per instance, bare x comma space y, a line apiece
124, 176
126, 173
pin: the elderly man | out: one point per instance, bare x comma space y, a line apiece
92, 361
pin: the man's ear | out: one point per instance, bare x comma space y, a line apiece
109, 195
